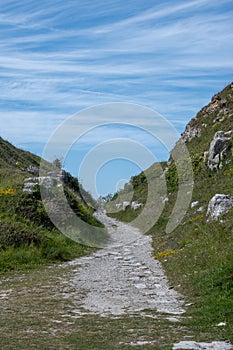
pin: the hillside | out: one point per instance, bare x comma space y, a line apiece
27, 236
197, 255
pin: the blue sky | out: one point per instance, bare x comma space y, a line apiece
60, 57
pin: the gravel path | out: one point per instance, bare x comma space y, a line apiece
124, 277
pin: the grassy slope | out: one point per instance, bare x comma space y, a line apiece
202, 265
27, 237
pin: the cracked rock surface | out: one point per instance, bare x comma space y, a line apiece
192, 345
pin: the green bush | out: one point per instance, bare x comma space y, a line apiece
16, 235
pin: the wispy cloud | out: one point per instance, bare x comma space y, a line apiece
55, 60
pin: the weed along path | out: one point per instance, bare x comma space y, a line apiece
117, 298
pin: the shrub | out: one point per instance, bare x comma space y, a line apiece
16, 235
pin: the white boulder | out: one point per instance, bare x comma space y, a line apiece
33, 170
46, 181
125, 204
192, 345
194, 204
220, 204
135, 205
219, 147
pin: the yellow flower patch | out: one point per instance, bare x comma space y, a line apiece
196, 218
161, 255
7, 191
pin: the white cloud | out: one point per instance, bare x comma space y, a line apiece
56, 60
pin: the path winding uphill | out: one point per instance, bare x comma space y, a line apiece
124, 277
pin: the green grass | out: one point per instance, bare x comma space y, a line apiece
53, 247
202, 269
28, 238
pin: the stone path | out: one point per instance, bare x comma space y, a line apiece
124, 277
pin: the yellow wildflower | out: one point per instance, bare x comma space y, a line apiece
7, 191
196, 218
165, 254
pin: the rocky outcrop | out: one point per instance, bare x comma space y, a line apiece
218, 104
194, 128
33, 170
189, 133
126, 204
192, 345
201, 209
29, 187
219, 108
194, 204
220, 204
135, 205
46, 181
219, 147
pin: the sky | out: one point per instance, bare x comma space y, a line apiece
58, 58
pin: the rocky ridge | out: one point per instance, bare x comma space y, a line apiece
219, 107
220, 146
214, 125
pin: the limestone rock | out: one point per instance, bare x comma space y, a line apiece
219, 147
189, 133
205, 155
135, 205
201, 209
220, 204
192, 345
125, 205
194, 204
29, 187
33, 170
46, 181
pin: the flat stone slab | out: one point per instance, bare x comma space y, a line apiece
192, 345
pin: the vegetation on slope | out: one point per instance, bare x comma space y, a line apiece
27, 236
197, 255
